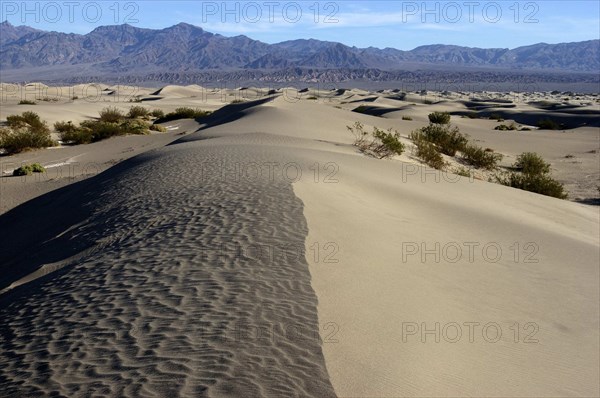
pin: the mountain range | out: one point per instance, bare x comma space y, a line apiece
184, 48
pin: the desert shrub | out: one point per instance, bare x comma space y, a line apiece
28, 169
27, 102
359, 133
480, 158
382, 144
439, 118
157, 113
427, 152
134, 126
542, 184
428, 102
184, 113
111, 115
74, 97
448, 139
48, 99
312, 97
525, 129
531, 163
103, 130
23, 138
237, 101
137, 111
26, 119
496, 116
504, 127
407, 118
72, 134
37, 168
548, 124
472, 115
386, 143
26, 131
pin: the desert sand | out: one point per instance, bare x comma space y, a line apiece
257, 252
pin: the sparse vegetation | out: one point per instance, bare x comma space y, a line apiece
111, 123
111, 115
448, 139
70, 133
29, 169
534, 176
184, 113
439, 118
382, 144
157, 113
138, 111
427, 152
496, 116
25, 131
27, 102
428, 102
542, 184
407, 118
531, 163
480, 158
312, 97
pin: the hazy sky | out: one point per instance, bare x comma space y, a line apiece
400, 24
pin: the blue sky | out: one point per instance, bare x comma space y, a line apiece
399, 24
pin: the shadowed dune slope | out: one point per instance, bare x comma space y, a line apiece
167, 287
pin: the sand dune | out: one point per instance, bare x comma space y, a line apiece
263, 255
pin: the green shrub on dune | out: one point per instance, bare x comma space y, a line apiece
184, 113
439, 118
534, 176
111, 115
532, 163
25, 131
542, 184
72, 134
448, 139
479, 157
29, 169
427, 152
138, 112
382, 144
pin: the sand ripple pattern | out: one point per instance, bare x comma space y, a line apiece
171, 296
